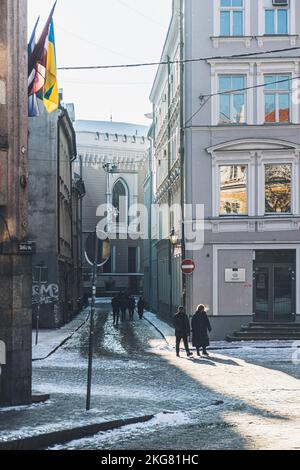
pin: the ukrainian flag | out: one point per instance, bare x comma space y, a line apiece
51, 95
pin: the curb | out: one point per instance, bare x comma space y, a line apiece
157, 329
43, 441
63, 342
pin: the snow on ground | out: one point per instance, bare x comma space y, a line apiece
244, 395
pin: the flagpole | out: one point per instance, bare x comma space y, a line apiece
39, 47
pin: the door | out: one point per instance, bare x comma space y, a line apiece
274, 292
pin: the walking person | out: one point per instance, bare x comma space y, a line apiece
115, 303
200, 328
182, 331
131, 304
123, 305
141, 307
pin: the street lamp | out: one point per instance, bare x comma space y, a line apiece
173, 237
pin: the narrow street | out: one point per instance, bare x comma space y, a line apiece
240, 398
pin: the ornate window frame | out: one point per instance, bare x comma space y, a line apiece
217, 38
275, 67
255, 153
232, 68
262, 38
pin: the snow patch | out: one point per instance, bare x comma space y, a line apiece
161, 420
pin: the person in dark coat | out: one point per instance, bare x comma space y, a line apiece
115, 303
182, 331
123, 305
131, 306
200, 328
141, 307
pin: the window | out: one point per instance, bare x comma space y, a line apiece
116, 138
232, 17
233, 190
120, 202
276, 19
125, 138
278, 188
106, 137
277, 98
232, 108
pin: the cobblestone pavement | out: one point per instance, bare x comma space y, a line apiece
241, 398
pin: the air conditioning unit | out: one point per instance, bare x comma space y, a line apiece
280, 3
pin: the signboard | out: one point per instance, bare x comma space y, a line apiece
27, 248
188, 266
235, 275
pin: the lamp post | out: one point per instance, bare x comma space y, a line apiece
173, 239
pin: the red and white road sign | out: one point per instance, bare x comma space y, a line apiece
188, 266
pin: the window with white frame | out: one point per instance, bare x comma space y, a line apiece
277, 96
276, 18
233, 189
232, 17
232, 99
278, 188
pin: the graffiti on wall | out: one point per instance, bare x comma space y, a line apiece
49, 294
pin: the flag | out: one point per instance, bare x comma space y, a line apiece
51, 94
33, 108
37, 60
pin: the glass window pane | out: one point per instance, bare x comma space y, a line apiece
283, 82
238, 23
238, 83
282, 21
239, 108
237, 3
225, 83
225, 23
270, 107
270, 21
284, 107
225, 109
225, 3
270, 82
233, 190
278, 188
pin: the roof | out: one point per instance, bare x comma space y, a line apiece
108, 127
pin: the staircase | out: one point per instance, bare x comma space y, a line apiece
267, 332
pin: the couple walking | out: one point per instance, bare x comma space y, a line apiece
200, 328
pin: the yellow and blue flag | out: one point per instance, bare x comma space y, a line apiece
51, 94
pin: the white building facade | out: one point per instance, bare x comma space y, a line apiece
241, 118
112, 157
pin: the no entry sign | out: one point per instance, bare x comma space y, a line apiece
188, 266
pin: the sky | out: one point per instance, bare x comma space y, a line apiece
101, 32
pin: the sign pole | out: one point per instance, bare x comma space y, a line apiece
92, 325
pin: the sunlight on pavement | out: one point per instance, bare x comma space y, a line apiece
268, 396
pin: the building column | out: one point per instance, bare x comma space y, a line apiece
15, 268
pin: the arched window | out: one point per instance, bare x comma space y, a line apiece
120, 202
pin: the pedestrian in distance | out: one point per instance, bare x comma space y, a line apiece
200, 328
182, 331
141, 307
115, 303
131, 305
123, 305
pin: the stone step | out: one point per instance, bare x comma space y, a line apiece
232, 339
275, 329
275, 324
